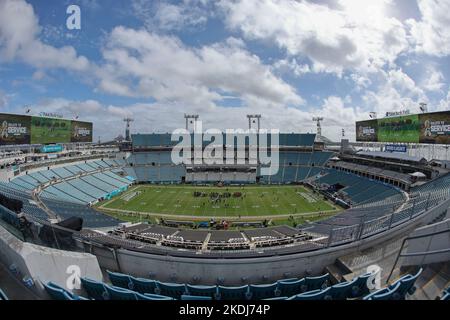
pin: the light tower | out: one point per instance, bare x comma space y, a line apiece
423, 107
319, 127
253, 118
128, 120
191, 119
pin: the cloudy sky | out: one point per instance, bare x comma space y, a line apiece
287, 60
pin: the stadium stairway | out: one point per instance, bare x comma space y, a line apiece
434, 278
347, 267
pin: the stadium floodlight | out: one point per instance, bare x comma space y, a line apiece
128, 120
319, 127
191, 119
254, 118
27, 109
423, 107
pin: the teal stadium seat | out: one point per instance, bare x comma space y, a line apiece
151, 296
291, 287
341, 291
3, 296
314, 283
116, 293
204, 291
406, 285
195, 298
312, 295
59, 293
95, 290
174, 290
385, 293
263, 291
120, 280
233, 293
144, 286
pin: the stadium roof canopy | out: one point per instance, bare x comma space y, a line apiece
392, 155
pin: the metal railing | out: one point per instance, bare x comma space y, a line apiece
418, 254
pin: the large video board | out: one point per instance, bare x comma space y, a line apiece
18, 129
399, 129
81, 131
15, 129
435, 128
430, 128
367, 130
49, 130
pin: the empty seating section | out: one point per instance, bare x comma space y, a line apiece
91, 218
157, 167
62, 172
91, 179
112, 179
74, 192
69, 198
359, 189
117, 176
85, 167
81, 184
87, 188
74, 170
52, 192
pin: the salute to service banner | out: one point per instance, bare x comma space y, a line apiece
81, 131
367, 130
430, 128
435, 128
15, 129
18, 129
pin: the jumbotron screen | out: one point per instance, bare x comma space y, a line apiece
20, 129
429, 128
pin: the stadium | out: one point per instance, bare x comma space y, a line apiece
126, 175
139, 225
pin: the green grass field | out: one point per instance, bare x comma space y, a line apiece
256, 201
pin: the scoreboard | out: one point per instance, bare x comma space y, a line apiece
429, 128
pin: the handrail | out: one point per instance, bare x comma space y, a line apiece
416, 253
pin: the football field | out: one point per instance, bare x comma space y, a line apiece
195, 201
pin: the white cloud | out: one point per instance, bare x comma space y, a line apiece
432, 33
396, 91
19, 31
291, 67
3, 99
139, 63
444, 104
434, 80
349, 35
165, 16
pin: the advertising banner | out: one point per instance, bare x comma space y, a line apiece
367, 130
435, 128
395, 148
14, 129
81, 131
